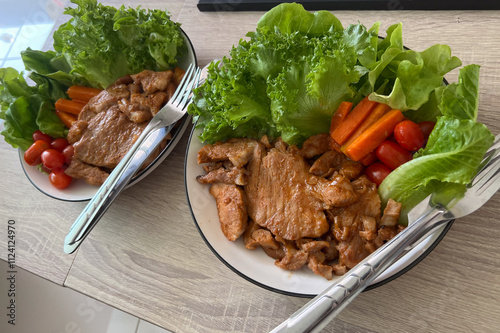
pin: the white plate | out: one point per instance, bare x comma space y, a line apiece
78, 190
256, 266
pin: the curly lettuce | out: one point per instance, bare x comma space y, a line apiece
102, 43
290, 76
287, 80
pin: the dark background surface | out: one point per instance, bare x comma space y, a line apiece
264, 5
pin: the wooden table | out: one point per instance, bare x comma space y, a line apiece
146, 257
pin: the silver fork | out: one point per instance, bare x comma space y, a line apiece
161, 124
430, 214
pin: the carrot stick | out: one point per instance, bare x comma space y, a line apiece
353, 120
67, 118
374, 135
69, 106
343, 109
82, 93
339, 116
379, 110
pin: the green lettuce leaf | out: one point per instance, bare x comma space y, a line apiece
286, 80
291, 17
102, 43
27, 109
417, 74
461, 99
453, 153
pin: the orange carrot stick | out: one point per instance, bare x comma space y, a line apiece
67, 118
374, 135
343, 109
69, 106
339, 116
379, 110
82, 93
353, 120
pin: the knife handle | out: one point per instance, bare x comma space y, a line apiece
114, 184
318, 312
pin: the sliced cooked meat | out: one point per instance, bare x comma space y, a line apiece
113, 120
238, 151
328, 163
315, 145
316, 264
237, 176
391, 214
107, 138
280, 199
337, 192
298, 214
153, 81
76, 131
351, 169
91, 174
231, 207
294, 259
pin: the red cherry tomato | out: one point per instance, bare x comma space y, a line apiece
409, 135
33, 153
426, 127
52, 159
59, 179
68, 153
59, 144
392, 154
377, 172
38, 135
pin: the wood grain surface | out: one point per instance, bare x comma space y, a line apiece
147, 258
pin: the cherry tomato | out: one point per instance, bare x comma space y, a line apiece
52, 159
426, 127
377, 172
38, 135
392, 154
409, 135
68, 153
59, 144
59, 179
33, 153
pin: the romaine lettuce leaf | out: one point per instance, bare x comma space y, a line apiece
417, 74
26, 109
453, 153
461, 99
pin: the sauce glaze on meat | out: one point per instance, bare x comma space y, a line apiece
112, 121
304, 207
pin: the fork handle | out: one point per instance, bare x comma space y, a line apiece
318, 312
114, 184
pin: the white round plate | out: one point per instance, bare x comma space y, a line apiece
256, 266
78, 190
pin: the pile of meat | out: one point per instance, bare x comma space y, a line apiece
112, 121
310, 206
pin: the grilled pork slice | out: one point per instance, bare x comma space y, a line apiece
112, 121
231, 206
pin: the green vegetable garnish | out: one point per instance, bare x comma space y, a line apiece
297, 67
98, 45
